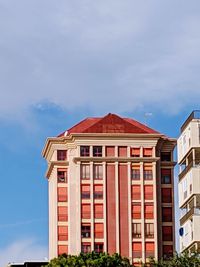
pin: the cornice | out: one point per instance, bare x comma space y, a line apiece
57, 164
116, 159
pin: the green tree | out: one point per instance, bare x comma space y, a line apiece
178, 260
90, 260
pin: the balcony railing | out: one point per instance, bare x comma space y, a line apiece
191, 212
193, 163
136, 235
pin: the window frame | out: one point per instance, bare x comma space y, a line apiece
97, 151
84, 151
61, 155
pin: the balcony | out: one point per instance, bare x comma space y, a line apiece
193, 163
194, 115
193, 211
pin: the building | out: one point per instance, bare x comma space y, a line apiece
189, 182
111, 189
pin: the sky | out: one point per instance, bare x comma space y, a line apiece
61, 61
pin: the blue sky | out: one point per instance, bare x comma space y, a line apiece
61, 61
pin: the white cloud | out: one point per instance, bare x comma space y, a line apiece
105, 55
22, 250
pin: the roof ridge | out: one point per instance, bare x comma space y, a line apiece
110, 123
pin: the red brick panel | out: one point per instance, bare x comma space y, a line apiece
62, 249
136, 211
148, 211
110, 151
98, 211
137, 249
148, 192
136, 192
167, 251
62, 194
123, 209
62, 233
147, 152
167, 233
86, 211
122, 151
166, 195
135, 152
62, 214
149, 249
111, 209
98, 230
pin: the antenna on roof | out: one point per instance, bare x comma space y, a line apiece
146, 115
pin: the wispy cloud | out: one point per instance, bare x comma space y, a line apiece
11, 225
116, 55
22, 250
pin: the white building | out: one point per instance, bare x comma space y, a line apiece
189, 182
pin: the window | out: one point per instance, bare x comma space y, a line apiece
147, 152
190, 188
135, 152
184, 184
97, 151
110, 151
148, 211
136, 211
98, 247
98, 211
86, 211
149, 230
137, 249
85, 172
167, 234
98, 191
85, 151
85, 230
148, 192
166, 195
135, 172
136, 193
98, 230
85, 247
148, 173
62, 233
98, 172
136, 230
61, 154
166, 176
166, 214
62, 214
165, 156
62, 194
149, 248
85, 191
62, 175
167, 251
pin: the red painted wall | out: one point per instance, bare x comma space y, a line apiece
123, 210
111, 209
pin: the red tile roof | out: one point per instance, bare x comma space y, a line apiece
111, 123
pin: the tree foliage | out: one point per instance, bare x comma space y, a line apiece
178, 260
90, 260
105, 260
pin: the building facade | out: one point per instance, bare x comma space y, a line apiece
111, 189
189, 182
